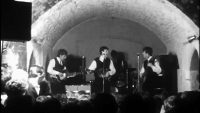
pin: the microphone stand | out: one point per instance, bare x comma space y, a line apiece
127, 79
103, 76
83, 68
138, 67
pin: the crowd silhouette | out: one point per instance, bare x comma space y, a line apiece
20, 99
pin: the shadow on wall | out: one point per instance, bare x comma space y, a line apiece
120, 64
73, 63
119, 60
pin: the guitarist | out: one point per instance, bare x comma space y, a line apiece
103, 69
56, 70
150, 72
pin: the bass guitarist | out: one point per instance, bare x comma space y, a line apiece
56, 70
103, 69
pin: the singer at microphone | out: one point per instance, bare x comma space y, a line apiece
101, 82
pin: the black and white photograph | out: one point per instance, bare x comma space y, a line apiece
100, 56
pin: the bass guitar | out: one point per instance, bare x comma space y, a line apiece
101, 73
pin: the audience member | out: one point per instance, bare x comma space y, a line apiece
104, 103
18, 85
132, 103
71, 107
38, 80
19, 104
47, 104
86, 106
184, 102
5, 76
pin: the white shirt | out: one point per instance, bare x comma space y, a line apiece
155, 67
52, 64
93, 66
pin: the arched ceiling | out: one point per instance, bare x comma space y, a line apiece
160, 16
114, 28
110, 29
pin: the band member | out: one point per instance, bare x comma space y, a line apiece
103, 69
150, 71
56, 71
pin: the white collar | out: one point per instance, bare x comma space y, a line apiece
149, 58
101, 58
59, 60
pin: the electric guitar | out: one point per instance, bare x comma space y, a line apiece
102, 73
65, 76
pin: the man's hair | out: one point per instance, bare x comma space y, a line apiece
16, 87
148, 50
18, 83
34, 70
61, 52
102, 48
170, 103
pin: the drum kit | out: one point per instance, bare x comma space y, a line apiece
126, 81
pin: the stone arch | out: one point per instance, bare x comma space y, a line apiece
161, 17
194, 71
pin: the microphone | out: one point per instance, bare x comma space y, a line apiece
83, 62
138, 54
83, 57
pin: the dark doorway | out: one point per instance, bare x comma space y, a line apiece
169, 65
